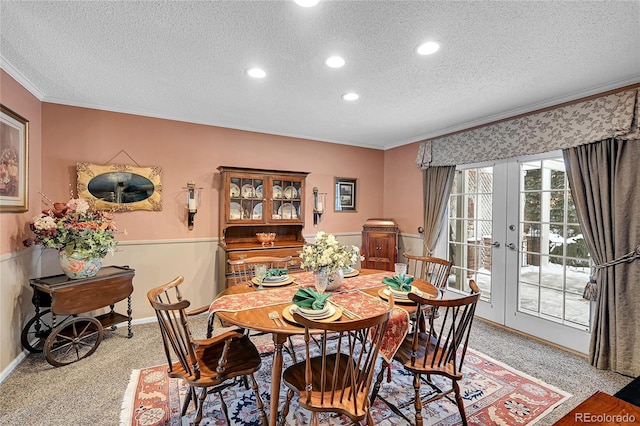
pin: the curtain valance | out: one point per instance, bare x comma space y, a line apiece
614, 115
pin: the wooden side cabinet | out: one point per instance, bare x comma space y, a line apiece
259, 200
380, 244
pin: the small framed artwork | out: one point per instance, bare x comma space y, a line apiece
14, 157
345, 196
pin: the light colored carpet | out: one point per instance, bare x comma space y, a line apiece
90, 392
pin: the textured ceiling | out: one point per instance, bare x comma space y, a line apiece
186, 61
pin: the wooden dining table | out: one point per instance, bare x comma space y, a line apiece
254, 314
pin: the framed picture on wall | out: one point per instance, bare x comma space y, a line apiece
14, 158
345, 195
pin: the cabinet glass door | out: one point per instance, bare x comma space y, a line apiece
286, 200
246, 197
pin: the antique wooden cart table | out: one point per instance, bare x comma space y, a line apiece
77, 334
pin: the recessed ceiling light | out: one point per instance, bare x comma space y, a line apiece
307, 3
351, 96
428, 48
256, 73
335, 62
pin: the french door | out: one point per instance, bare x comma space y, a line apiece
513, 229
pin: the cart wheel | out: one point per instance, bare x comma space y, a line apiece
36, 331
73, 340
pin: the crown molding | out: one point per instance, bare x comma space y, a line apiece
20, 78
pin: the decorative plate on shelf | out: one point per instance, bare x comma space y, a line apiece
235, 211
259, 191
290, 193
248, 191
234, 190
277, 191
257, 211
288, 211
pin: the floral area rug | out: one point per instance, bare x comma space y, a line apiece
494, 394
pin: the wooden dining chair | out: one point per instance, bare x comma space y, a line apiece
338, 379
208, 365
438, 351
242, 270
474, 287
431, 269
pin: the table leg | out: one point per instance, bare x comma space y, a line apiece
129, 311
276, 376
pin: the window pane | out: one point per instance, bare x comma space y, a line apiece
532, 206
558, 179
532, 176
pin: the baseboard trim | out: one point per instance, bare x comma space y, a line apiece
13, 365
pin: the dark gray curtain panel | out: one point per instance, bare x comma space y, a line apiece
605, 185
436, 188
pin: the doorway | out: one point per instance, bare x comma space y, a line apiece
514, 230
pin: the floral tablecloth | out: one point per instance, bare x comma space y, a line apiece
348, 298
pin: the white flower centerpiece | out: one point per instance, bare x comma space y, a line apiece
330, 257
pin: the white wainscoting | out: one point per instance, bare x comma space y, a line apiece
155, 262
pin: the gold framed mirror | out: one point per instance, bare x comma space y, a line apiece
120, 187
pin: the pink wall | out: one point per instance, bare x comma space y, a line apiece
13, 226
60, 136
193, 152
403, 188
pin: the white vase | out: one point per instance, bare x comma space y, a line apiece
75, 267
335, 279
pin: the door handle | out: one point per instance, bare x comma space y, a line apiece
495, 244
511, 246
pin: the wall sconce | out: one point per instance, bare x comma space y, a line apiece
319, 201
193, 200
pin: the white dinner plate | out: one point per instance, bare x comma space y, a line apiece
235, 211
257, 211
259, 191
277, 191
290, 193
277, 279
324, 313
248, 191
234, 190
350, 273
288, 315
403, 295
287, 211
288, 280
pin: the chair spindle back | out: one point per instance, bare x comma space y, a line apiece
431, 269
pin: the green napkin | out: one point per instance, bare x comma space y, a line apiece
277, 272
308, 298
398, 283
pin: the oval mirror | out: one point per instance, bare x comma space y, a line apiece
120, 187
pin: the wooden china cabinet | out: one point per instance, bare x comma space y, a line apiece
258, 200
380, 244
